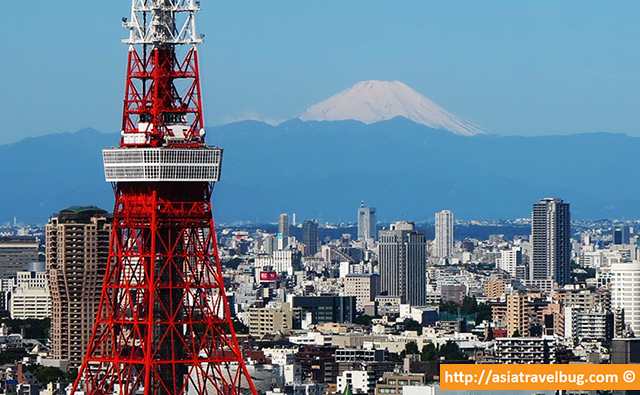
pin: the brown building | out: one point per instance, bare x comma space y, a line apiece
77, 253
586, 298
392, 383
494, 289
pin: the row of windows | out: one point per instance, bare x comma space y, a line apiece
163, 172
152, 156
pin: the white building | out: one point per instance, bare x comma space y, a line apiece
30, 297
510, 260
444, 234
625, 292
367, 223
361, 381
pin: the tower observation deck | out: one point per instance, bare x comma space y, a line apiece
163, 325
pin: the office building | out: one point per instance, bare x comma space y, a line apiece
310, 237
402, 255
30, 296
77, 253
444, 234
367, 223
625, 292
621, 234
551, 241
324, 309
365, 288
15, 255
275, 318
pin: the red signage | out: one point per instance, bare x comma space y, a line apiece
268, 276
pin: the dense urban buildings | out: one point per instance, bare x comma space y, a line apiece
551, 240
367, 223
444, 234
345, 315
77, 250
403, 262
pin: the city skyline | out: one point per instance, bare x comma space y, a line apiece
154, 299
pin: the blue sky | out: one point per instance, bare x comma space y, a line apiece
525, 68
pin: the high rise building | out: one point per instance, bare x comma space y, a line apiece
283, 226
367, 223
283, 232
621, 234
77, 250
444, 234
310, 237
551, 241
402, 254
625, 292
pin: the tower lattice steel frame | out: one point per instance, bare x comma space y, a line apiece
163, 325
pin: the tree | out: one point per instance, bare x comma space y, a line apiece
411, 348
449, 306
412, 325
239, 327
484, 313
429, 352
451, 352
516, 334
49, 374
363, 319
469, 305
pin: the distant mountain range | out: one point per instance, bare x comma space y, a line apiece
323, 169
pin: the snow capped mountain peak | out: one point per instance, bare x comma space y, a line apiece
373, 101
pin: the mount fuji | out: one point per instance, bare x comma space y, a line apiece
374, 101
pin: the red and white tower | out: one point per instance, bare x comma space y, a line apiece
163, 325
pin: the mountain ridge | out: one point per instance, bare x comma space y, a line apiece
322, 169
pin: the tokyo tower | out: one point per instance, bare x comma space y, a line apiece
163, 325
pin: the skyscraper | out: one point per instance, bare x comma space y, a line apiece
367, 223
551, 241
444, 234
310, 237
77, 250
283, 226
283, 231
402, 253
